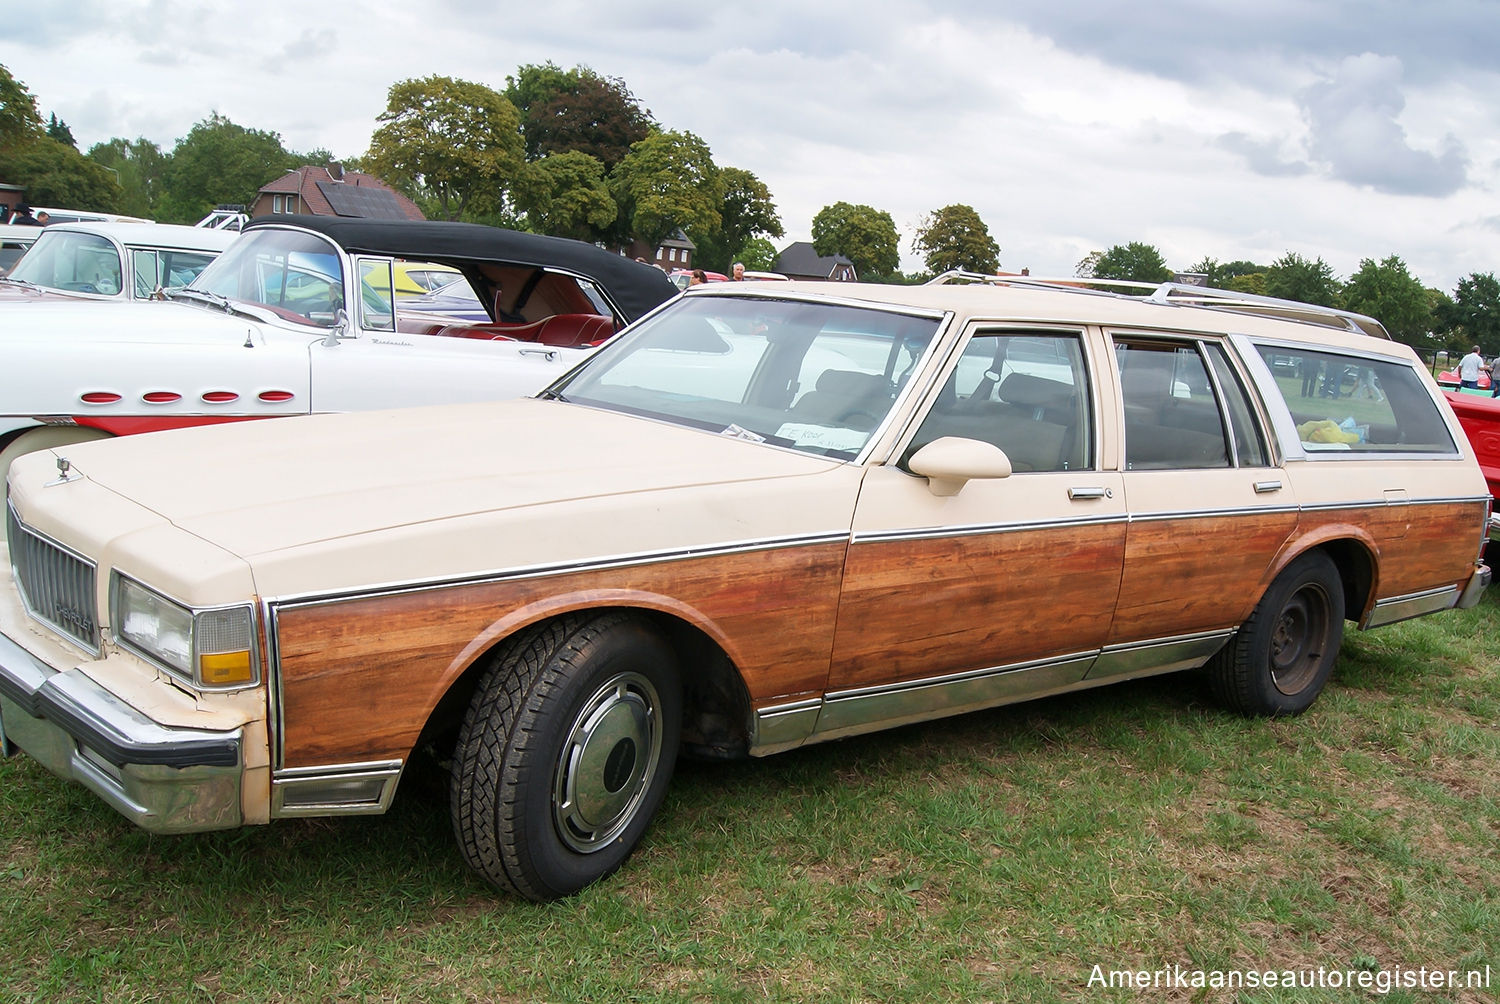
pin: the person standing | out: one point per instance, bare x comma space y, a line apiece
23, 217
739, 272
1469, 367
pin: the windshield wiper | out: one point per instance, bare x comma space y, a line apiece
19, 282
212, 299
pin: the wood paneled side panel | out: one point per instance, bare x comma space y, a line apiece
1201, 574
359, 677
1422, 546
926, 607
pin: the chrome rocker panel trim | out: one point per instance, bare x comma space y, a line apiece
162, 778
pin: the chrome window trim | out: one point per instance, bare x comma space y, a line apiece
1286, 428
985, 529
980, 327
624, 560
186, 680
1256, 510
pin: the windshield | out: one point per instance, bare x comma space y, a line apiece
816, 377
76, 262
297, 275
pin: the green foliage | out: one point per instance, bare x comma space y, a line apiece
758, 255
1293, 277
1472, 317
1387, 292
954, 237
747, 211
20, 121
1254, 282
452, 145
668, 182
1135, 261
216, 162
565, 195
55, 174
577, 110
1220, 276
141, 168
58, 129
863, 234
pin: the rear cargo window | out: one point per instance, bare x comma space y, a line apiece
1355, 404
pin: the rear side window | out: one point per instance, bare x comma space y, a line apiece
1356, 404
1172, 416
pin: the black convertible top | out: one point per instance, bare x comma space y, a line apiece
634, 287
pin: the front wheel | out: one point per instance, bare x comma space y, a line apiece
565, 753
1279, 660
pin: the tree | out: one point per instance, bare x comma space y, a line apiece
58, 129
1135, 261
954, 237
565, 195
1387, 292
577, 110
140, 168
863, 234
758, 255
1292, 277
219, 162
1473, 315
746, 213
20, 121
452, 145
58, 175
668, 182
1221, 276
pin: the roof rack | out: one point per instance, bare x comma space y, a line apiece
1182, 293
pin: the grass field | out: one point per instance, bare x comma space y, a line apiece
999, 856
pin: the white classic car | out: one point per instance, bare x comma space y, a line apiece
296, 318
768, 515
111, 261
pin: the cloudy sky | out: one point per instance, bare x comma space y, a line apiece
1341, 130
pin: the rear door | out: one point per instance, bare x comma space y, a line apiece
1209, 507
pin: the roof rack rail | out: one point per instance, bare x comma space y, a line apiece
1183, 293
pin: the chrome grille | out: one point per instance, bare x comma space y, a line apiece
56, 584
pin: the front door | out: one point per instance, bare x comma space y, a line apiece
1004, 590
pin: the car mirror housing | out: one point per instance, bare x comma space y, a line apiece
950, 463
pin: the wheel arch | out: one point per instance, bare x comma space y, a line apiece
716, 701
1354, 555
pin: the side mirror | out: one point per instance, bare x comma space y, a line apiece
950, 463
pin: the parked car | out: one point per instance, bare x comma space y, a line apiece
417, 278
296, 317
55, 215
14, 240
456, 299
119, 261
764, 517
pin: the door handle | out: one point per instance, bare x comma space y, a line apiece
547, 354
1265, 487
1090, 493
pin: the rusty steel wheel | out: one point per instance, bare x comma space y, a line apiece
1279, 660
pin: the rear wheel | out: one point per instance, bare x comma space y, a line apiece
565, 753
1279, 660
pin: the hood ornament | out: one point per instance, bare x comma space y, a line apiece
65, 473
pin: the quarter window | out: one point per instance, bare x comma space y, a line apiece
1023, 392
1352, 404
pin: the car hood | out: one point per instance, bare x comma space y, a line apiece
263, 487
40, 319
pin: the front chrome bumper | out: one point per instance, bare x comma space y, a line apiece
165, 779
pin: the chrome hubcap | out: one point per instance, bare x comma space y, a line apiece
607, 762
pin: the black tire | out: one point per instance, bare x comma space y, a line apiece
1279, 660
565, 753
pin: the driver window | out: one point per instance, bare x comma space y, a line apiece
144, 264
1023, 392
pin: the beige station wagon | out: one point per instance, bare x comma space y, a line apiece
763, 517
